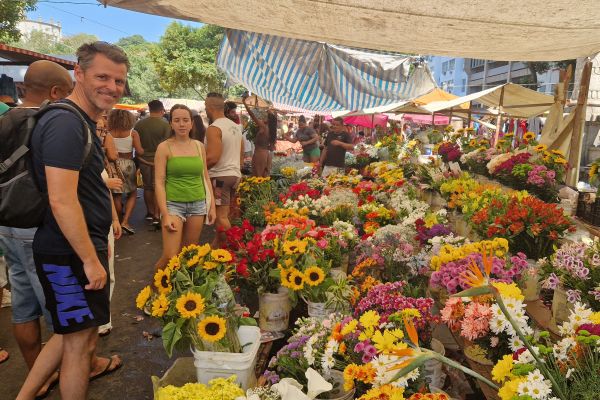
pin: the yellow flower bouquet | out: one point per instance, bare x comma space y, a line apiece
194, 302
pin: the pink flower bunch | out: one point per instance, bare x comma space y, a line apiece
508, 165
453, 312
449, 276
540, 176
475, 323
387, 299
367, 349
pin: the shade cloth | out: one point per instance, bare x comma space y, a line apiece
426, 119
367, 121
318, 76
518, 101
517, 30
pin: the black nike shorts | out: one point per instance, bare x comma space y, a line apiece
72, 307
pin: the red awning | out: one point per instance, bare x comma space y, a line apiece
17, 56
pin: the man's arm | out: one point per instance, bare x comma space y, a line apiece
62, 196
242, 152
214, 146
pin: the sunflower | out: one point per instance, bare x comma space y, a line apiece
160, 306
162, 281
558, 153
291, 247
560, 160
296, 280
142, 297
540, 148
203, 250
188, 252
221, 255
529, 136
212, 329
174, 264
314, 275
472, 142
190, 305
284, 274
208, 265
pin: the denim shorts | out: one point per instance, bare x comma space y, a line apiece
184, 210
27, 295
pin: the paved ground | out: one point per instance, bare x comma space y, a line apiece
135, 257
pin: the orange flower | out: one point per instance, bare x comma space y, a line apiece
474, 276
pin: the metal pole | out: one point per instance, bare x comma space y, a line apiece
499, 119
469, 118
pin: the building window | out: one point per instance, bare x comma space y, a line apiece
444, 67
451, 65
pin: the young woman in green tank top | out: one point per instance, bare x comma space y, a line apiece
183, 190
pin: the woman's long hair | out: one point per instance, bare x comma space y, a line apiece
180, 107
198, 130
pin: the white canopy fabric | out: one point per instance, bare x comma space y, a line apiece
518, 101
517, 30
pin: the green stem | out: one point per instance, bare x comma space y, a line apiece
467, 371
540, 363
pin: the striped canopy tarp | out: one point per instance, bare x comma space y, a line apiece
318, 76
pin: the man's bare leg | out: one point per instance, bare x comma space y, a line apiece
222, 224
78, 350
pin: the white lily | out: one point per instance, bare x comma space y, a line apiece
316, 383
290, 389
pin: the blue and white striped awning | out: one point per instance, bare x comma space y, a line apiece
318, 76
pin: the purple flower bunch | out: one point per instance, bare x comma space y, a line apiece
540, 175
571, 258
387, 299
367, 349
424, 234
450, 274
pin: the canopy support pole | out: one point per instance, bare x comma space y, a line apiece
469, 117
499, 119
578, 125
433, 119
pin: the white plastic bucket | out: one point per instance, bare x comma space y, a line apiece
210, 365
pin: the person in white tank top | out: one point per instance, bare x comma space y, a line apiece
224, 157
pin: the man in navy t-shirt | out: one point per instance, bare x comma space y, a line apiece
70, 248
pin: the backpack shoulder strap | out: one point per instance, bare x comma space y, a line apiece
47, 106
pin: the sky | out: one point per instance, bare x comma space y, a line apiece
108, 24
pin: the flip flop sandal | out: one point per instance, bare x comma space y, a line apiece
105, 332
128, 229
49, 390
7, 355
113, 360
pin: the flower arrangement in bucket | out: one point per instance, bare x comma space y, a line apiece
575, 267
194, 302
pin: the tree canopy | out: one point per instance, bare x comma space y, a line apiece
11, 12
185, 58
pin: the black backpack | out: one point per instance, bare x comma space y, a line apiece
22, 203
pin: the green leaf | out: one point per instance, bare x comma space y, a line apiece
247, 321
472, 292
171, 334
415, 363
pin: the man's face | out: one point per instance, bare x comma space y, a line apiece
337, 126
302, 124
231, 113
103, 82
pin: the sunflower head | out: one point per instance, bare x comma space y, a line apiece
314, 275
142, 297
174, 263
160, 306
221, 255
212, 328
162, 281
296, 280
284, 275
297, 246
540, 148
208, 265
204, 250
529, 136
190, 305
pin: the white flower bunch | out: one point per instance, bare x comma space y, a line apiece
342, 196
321, 205
579, 316
536, 386
407, 207
303, 202
469, 156
496, 161
346, 230
327, 360
384, 374
500, 324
